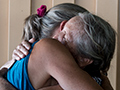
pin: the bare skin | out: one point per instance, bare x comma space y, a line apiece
55, 87
4, 85
43, 66
57, 67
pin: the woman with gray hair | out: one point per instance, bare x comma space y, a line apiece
93, 40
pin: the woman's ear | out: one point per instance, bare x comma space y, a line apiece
84, 62
62, 24
88, 61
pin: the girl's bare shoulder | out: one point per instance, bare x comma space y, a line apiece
50, 44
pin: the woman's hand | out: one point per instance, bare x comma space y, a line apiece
106, 85
22, 49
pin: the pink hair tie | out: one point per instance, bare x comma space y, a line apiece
41, 11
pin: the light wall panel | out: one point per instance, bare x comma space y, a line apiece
37, 3
55, 2
118, 51
88, 4
18, 11
108, 10
3, 31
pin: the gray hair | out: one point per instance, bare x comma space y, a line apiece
96, 43
41, 27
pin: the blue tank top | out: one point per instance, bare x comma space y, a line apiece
17, 75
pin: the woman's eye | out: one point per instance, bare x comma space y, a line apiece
64, 38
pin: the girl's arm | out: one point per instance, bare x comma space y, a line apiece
50, 57
55, 87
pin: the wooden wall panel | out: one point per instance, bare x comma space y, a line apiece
108, 10
18, 11
55, 2
118, 51
88, 4
3, 31
37, 3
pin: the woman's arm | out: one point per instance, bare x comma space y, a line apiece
106, 85
5, 85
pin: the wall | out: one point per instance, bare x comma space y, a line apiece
118, 52
13, 13
110, 13
18, 11
3, 31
